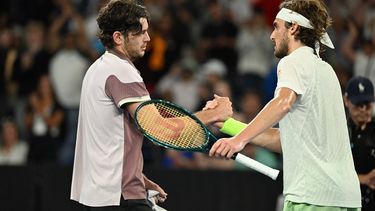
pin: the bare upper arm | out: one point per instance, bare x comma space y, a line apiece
286, 97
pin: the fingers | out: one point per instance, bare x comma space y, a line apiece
217, 96
213, 148
210, 105
224, 108
221, 149
216, 101
161, 191
161, 198
221, 99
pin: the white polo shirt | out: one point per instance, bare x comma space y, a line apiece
318, 164
108, 158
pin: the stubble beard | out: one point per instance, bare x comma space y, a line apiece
133, 54
283, 49
136, 54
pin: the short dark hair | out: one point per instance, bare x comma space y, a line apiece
120, 15
316, 12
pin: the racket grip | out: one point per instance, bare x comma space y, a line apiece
253, 164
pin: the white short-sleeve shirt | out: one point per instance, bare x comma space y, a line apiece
318, 164
108, 158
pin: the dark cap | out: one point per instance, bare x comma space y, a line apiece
360, 90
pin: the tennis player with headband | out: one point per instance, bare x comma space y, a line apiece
318, 166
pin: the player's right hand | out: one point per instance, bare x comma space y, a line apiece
224, 108
226, 147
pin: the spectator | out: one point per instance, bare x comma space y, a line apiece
180, 85
213, 71
8, 55
31, 62
363, 58
33, 59
44, 122
67, 69
255, 52
218, 36
13, 151
359, 98
250, 104
92, 29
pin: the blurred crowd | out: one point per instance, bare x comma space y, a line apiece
197, 48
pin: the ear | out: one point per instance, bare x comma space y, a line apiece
346, 101
118, 38
294, 29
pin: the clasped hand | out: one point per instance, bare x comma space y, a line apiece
224, 147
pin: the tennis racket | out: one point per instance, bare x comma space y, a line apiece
172, 126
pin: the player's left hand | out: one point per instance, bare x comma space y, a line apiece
162, 196
150, 185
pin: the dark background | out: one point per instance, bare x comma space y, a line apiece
47, 188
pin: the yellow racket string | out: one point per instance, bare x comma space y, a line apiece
170, 126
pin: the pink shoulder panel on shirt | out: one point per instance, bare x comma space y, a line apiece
118, 90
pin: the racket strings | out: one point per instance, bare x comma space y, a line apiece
171, 126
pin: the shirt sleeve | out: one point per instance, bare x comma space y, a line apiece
123, 93
289, 76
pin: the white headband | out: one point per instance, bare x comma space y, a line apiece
294, 17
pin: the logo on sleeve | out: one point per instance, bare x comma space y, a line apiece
278, 72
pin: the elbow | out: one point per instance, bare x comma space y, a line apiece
286, 108
284, 105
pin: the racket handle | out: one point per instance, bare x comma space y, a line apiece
253, 164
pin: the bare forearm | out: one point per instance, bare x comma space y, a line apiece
259, 130
269, 139
148, 183
206, 117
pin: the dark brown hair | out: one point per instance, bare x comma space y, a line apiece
316, 12
120, 15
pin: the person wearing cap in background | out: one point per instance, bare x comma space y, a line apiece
359, 98
213, 71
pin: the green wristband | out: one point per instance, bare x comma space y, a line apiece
232, 127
